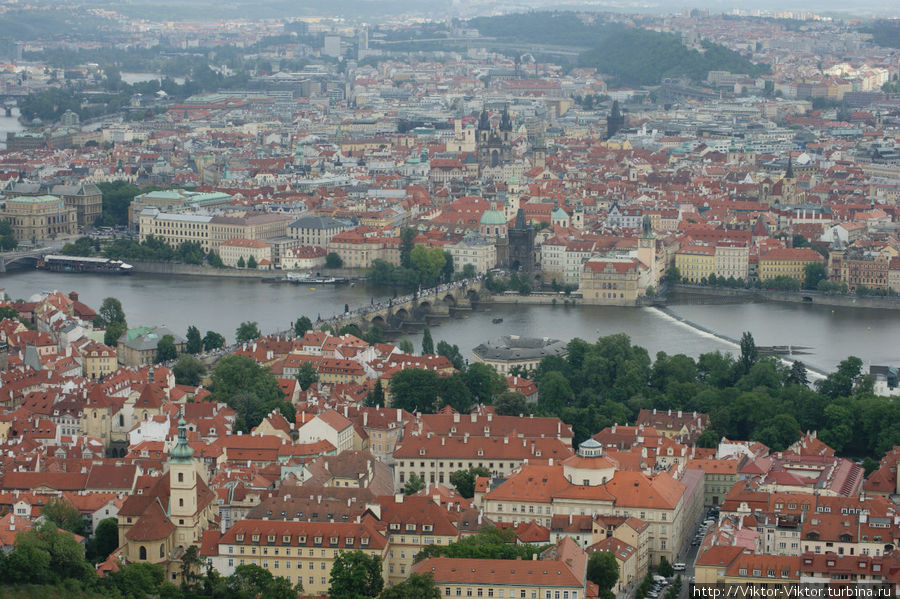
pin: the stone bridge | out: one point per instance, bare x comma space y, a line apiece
415, 310
24, 259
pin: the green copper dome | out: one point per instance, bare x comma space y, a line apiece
182, 452
493, 217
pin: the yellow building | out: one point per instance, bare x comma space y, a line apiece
39, 217
695, 262
98, 360
298, 551
233, 251
413, 523
613, 281
788, 262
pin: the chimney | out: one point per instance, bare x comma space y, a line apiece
570, 518
365, 418
490, 416
679, 413
345, 411
654, 411
399, 412
474, 417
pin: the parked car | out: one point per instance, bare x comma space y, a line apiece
679, 566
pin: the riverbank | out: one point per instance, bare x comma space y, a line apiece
534, 299
718, 294
179, 269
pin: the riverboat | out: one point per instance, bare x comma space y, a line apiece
75, 264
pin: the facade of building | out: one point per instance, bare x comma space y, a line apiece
317, 230
233, 251
137, 347
39, 218
299, 551
787, 262
696, 262
98, 360
86, 199
732, 260
613, 281
474, 250
502, 578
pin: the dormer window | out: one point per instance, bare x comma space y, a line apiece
286, 540
395, 526
410, 528
271, 539
364, 541
333, 540
239, 538
301, 540
480, 452
317, 540
348, 541
255, 538
421, 452
427, 528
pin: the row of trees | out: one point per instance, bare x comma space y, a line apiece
7, 237
749, 397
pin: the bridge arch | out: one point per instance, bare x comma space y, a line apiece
402, 314
472, 295
450, 300
378, 321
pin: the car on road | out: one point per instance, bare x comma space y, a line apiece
679, 566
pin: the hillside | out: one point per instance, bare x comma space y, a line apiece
559, 28
644, 57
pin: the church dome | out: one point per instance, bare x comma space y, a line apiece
493, 217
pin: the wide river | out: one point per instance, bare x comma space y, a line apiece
220, 304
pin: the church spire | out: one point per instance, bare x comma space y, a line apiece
182, 452
789, 174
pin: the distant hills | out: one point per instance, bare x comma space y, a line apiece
644, 57
630, 56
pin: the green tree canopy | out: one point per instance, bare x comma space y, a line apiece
247, 331
427, 343
194, 343
307, 375
355, 575
64, 515
301, 325
603, 570
213, 340
415, 390
484, 382
188, 370
250, 389
510, 403
334, 260
413, 485
165, 349
110, 312
464, 480
417, 586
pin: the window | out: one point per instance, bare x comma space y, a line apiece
142, 552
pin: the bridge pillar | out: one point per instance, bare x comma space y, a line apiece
2, 264
9, 111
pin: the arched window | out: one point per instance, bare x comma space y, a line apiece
161, 550
181, 477
142, 553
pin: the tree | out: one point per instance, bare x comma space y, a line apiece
779, 433
307, 375
749, 353
215, 260
464, 480
301, 325
603, 570
413, 485
406, 246
665, 568
484, 382
489, 543
798, 374
333, 260
415, 390
165, 349
47, 555
840, 382
813, 273
673, 274
708, 439
510, 403
247, 331
554, 392
194, 343
355, 575
110, 312
427, 343
374, 334
405, 346
64, 515
428, 264
375, 397
454, 393
212, 340
104, 541
8, 312
251, 262
113, 332
452, 353
240, 262
417, 586
248, 388
7, 237
188, 370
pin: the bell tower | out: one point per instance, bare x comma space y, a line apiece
182, 482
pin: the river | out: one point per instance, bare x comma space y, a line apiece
9, 124
220, 304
